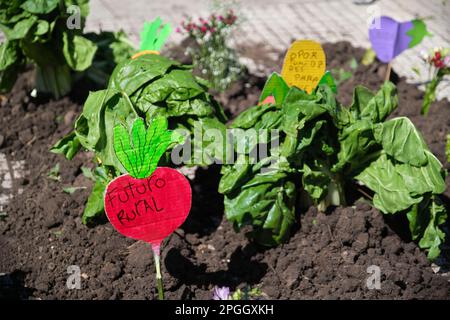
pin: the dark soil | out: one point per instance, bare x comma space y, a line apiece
326, 258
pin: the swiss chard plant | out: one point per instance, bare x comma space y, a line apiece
49, 34
324, 148
148, 86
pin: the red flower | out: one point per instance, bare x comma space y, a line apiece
439, 64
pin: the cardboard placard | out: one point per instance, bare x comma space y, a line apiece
148, 209
389, 38
304, 65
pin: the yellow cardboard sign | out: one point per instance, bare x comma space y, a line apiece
304, 65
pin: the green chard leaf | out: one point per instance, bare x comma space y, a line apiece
95, 203
401, 140
424, 221
11, 62
398, 186
267, 202
380, 106
68, 146
78, 51
40, 6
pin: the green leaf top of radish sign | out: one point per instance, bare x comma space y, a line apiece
140, 151
149, 203
153, 36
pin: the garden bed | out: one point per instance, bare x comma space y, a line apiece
326, 257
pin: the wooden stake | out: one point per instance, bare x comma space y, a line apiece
388, 72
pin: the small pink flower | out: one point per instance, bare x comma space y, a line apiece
178, 30
447, 61
221, 293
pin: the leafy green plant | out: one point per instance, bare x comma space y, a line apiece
340, 75
112, 49
147, 87
211, 54
37, 32
324, 148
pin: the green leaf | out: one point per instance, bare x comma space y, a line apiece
11, 62
88, 173
68, 146
315, 182
54, 173
140, 151
401, 140
20, 29
398, 186
42, 27
250, 117
234, 176
71, 190
8, 54
433, 236
40, 6
381, 105
356, 141
133, 74
95, 205
391, 193
78, 51
299, 108
267, 202
275, 86
424, 221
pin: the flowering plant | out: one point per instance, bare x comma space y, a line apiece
224, 293
212, 55
438, 61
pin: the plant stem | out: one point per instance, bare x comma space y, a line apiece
156, 256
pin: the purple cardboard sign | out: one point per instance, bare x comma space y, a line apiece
389, 38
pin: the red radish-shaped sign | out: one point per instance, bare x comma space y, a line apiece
148, 203
148, 209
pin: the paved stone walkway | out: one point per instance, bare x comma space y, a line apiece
277, 22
